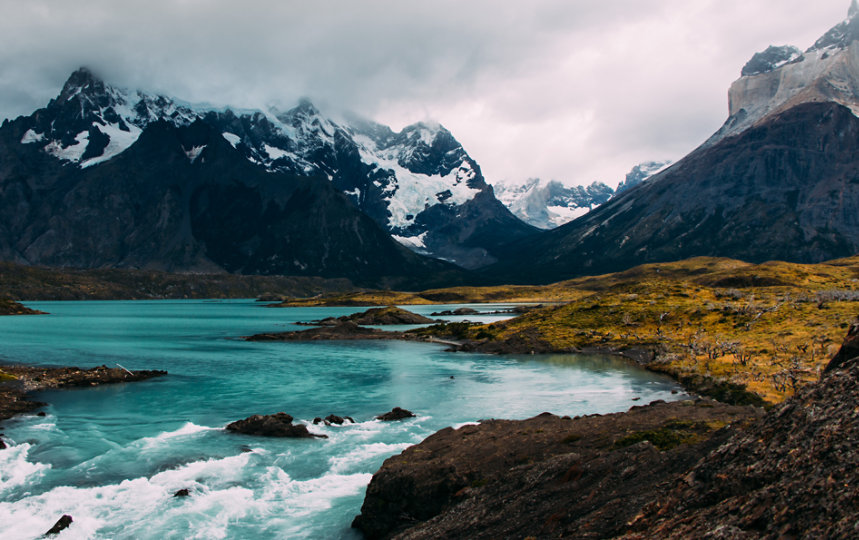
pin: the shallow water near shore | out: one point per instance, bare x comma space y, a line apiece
113, 456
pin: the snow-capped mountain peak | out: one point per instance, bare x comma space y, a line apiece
551, 204
415, 183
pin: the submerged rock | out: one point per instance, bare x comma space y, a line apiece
61, 525
272, 425
395, 414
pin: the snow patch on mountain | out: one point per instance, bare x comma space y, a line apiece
232, 138
642, 172
120, 141
551, 204
72, 152
415, 243
412, 193
31, 137
194, 152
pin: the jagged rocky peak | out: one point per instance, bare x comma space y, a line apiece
642, 172
780, 78
81, 80
842, 35
550, 204
771, 59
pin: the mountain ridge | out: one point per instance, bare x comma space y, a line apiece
397, 178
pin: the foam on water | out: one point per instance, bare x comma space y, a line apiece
16, 470
363, 454
189, 428
118, 508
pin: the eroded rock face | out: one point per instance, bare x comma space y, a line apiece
272, 425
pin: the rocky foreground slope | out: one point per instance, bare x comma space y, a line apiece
661, 471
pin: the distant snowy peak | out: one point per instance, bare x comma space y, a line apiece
551, 204
642, 172
780, 78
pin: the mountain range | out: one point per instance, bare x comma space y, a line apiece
109, 178
779, 180
547, 205
105, 177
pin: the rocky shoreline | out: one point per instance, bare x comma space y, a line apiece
681, 470
18, 381
543, 476
651, 357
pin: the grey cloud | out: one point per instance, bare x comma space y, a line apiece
572, 90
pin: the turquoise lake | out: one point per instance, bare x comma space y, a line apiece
113, 456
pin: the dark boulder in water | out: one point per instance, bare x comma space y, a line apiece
272, 425
61, 525
396, 414
184, 492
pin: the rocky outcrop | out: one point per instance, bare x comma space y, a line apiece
272, 425
543, 477
394, 414
10, 307
343, 331
333, 419
377, 316
19, 380
61, 525
458, 311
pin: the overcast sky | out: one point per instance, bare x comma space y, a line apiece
572, 90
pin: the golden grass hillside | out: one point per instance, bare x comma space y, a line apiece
769, 327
